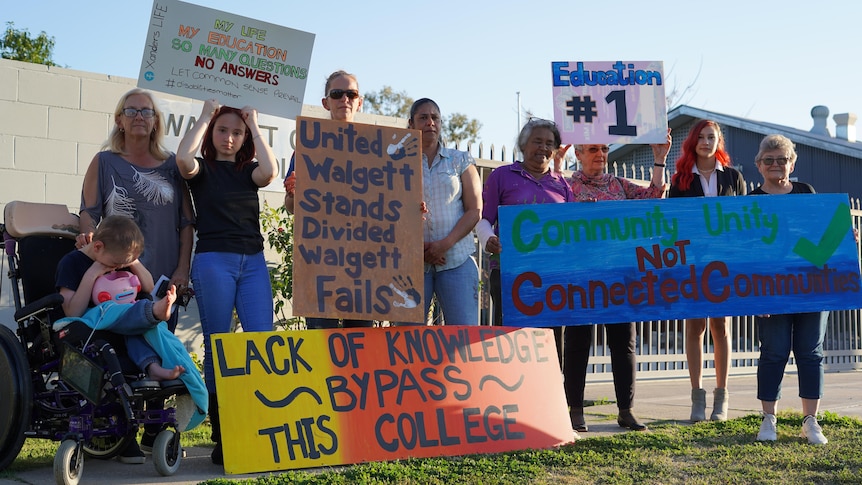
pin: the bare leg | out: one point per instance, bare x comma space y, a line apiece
770, 407
810, 407
158, 373
719, 328
162, 308
694, 330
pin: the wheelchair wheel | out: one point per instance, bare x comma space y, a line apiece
167, 452
17, 391
68, 463
107, 447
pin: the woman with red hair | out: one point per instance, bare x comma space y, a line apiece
704, 170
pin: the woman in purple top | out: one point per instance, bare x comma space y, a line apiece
529, 182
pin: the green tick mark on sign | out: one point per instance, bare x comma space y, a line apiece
819, 253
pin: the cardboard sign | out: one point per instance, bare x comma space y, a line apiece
358, 244
639, 260
202, 53
314, 398
609, 102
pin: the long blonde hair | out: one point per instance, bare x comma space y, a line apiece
116, 141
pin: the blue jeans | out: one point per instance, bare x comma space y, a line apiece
457, 291
779, 334
224, 282
134, 323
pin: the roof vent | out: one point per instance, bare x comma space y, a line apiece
845, 126
820, 115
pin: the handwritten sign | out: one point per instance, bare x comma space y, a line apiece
203, 53
609, 102
635, 260
314, 398
358, 244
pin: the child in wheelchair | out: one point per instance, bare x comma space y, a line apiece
117, 243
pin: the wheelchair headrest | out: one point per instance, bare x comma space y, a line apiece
24, 219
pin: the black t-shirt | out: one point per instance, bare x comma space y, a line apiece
227, 208
798, 188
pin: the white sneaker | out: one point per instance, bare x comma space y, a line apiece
767, 429
812, 430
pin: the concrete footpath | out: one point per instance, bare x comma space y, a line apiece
657, 400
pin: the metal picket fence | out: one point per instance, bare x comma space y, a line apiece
661, 343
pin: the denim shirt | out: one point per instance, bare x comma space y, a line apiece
443, 196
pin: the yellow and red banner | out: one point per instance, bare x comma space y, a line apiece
311, 398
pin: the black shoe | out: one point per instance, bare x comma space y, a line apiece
132, 455
578, 422
217, 456
628, 420
147, 440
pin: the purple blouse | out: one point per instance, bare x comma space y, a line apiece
513, 185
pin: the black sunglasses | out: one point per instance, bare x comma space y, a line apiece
339, 93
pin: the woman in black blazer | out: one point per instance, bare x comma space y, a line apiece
704, 169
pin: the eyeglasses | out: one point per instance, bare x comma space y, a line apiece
782, 161
145, 113
339, 93
594, 150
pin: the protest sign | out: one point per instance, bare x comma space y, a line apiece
609, 102
313, 398
202, 53
358, 244
639, 260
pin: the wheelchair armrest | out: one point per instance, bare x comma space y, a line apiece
50, 302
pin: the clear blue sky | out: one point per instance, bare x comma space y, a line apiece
761, 59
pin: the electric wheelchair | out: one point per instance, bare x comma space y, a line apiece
75, 387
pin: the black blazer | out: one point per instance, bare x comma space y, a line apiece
729, 182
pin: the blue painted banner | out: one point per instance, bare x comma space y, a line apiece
638, 260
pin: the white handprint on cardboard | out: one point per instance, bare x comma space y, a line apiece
404, 289
397, 151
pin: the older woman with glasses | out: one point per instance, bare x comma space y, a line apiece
135, 176
589, 184
803, 333
530, 181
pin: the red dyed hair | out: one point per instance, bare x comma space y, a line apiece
683, 176
246, 152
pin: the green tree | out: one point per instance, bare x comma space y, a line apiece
387, 102
19, 46
458, 128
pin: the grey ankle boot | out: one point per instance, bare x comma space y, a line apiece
576, 415
698, 405
719, 406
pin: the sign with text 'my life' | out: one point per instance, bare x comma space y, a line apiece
312, 398
202, 53
640, 260
358, 244
609, 102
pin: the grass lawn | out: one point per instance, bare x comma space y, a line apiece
704, 453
